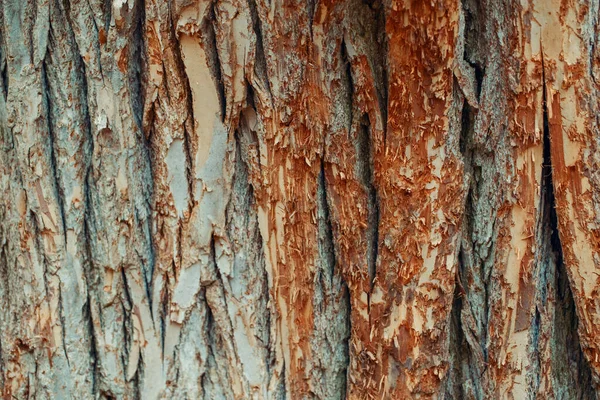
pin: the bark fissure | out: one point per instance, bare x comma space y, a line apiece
365, 166
260, 64
3, 74
55, 171
188, 125
576, 380
349, 82
331, 298
63, 323
3, 62
381, 55
327, 228
211, 47
469, 316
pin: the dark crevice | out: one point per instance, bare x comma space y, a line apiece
87, 316
475, 52
89, 272
245, 204
189, 123
211, 48
331, 292
282, 383
4, 76
566, 321
594, 66
326, 227
479, 74
63, 322
187, 147
147, 281
126, 339
81, 84
467, 127
470, 309
218, 353
260, 64
53, 143
381, 54
347, 65
3, 61
310, 9
458, 347
108, 5
370, 24
126, 291
129, 310
472, 38
366, 174
39, 246
165, 82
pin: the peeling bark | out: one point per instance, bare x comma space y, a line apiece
283, 199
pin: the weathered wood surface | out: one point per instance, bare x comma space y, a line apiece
299, 199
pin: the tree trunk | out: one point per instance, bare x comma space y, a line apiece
276, 199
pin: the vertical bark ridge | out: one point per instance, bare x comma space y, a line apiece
421, 200
118, 193
501, 212
46, 268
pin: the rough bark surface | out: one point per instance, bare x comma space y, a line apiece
319, 199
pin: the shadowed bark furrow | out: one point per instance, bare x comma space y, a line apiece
365, 171
572, 375
331, 313
528, 359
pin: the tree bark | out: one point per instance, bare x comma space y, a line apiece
317, 199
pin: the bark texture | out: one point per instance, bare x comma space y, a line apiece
285, 199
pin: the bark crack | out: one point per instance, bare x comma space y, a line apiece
63, 323
345, 60
365, 167
3, 70
260, 65
52, 145
330, 340
566, 321
211, 47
